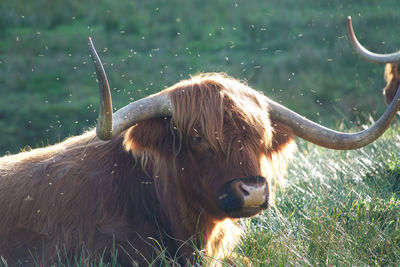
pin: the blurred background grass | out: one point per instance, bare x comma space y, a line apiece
297, 52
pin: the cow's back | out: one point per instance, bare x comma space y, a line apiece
68, 198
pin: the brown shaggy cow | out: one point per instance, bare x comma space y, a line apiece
177, 169
165, 180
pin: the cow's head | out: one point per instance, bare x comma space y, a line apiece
215, 144
212, 136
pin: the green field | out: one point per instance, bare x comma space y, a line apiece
297, 52
337, 208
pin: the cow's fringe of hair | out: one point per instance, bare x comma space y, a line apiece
226, 99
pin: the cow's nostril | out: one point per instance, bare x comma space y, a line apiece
253, 195
244, 190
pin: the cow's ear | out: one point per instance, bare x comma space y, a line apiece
282, 136
147, 135
281, 150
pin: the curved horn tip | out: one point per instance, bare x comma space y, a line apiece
105, 121
349, 23
351, 31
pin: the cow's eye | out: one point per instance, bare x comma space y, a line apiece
195, 140
198, 144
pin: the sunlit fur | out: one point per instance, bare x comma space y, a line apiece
392, 78
153, 186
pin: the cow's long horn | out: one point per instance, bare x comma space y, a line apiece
110, 125
368, 55
328, 138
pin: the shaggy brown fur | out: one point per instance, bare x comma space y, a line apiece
392, 78
154, 185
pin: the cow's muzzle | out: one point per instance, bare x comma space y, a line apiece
244, 197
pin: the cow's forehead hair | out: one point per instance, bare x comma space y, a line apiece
215, 102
